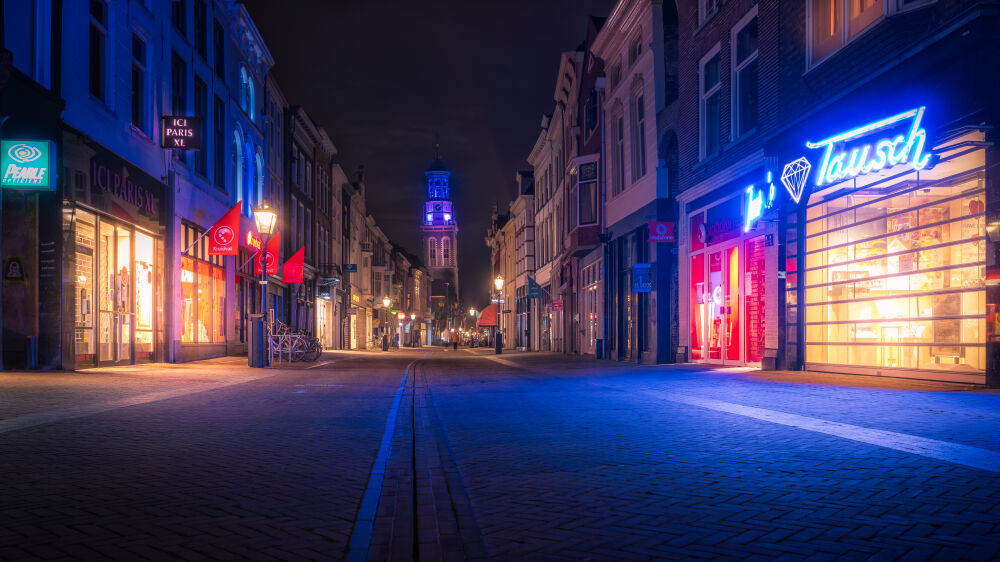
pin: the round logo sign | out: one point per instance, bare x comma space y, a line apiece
224, 235
661, 229
24, 153
269, 258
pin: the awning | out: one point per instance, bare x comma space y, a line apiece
488, 317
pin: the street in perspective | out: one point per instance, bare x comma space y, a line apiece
529, 280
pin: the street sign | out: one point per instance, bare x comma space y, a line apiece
534, 289
180, 132
350, 268
557, 306
27, 164
661, 232
642, 281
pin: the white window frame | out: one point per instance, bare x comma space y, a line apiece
703, 96
707, 9
638, 137
735, 72
845, 34
617, 167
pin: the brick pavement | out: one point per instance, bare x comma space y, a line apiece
575, 459
521, 457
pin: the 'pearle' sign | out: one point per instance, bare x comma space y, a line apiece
840, 163
26, 164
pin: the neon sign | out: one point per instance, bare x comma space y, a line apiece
26, 164
757, 202
868, 158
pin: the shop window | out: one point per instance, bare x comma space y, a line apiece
745, 75
711, 105
697, 306
203, 291
827, 29
895, 269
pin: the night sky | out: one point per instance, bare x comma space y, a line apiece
387, 78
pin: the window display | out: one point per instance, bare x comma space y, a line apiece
203, 291
895, 266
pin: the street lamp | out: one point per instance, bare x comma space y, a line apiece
386, 301
413, 316
472, 312
498, 283
266, 219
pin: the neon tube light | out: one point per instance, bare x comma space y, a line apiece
875, 156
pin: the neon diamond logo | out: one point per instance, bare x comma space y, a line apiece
794, 177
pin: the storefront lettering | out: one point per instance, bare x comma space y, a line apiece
757, 201
868, 158
112, 181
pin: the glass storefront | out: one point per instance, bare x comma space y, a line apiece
115, 291
727, 287
895, 266
203, 291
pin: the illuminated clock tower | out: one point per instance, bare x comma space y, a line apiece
439, 226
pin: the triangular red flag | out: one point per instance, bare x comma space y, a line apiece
273, 248
224, 236
291, 272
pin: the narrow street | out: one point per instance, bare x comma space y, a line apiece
437, 454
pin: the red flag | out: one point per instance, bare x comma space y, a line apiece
291, 272
273, 248
223, 237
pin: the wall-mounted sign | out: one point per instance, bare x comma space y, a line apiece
355, 297
661, 232
13, 269
840, 162
401, 315
180, 132
642, 280
350, 268
588, 171
794, 176
27, 164
757, 201
252, 241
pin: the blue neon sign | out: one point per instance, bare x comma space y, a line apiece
839, 164
757, 201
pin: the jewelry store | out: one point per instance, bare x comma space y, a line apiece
113, 287
892, 252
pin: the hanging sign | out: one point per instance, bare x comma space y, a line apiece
534, 289
27, 164
223, 237
350, 268
661, 232
273, 247
557, 305
642, 280
13, 269
291, 271
180, 132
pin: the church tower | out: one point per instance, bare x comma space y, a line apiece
439, 225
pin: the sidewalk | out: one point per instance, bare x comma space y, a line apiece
36, 397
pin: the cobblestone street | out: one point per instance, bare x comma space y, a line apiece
445, 455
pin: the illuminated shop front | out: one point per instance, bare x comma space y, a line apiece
203, 291
895, 254
728, 312
113, 288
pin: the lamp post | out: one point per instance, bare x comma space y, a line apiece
498, 283
266, 219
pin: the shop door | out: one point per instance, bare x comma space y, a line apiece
724, 306
115, 281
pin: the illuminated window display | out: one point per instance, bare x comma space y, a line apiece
895, 265
203, 290
115, 314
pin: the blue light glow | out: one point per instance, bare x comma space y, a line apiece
874, 156
447, 217
757, 202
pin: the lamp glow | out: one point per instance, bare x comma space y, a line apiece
498, 282
386, 302
266, 219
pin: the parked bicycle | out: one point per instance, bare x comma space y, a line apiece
296, 345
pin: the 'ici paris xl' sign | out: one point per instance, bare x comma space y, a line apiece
843, 159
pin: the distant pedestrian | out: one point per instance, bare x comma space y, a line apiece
395, 340
454, 341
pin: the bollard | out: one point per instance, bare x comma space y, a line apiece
499, 340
